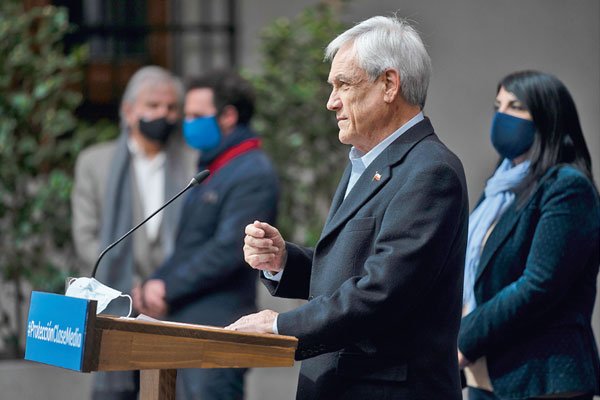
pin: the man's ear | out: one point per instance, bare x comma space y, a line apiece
228, 119
391, 81
127, 113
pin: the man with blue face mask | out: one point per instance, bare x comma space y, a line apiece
206, 281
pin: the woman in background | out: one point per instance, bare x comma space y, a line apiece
533, 253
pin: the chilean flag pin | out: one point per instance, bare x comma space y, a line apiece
377, 176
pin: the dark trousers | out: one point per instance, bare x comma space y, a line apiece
478, 394
116, 385
210, 384
204, 384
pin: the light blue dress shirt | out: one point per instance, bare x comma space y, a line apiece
360, 161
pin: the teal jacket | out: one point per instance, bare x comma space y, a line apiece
535, 289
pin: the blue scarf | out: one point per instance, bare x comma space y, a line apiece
498, 197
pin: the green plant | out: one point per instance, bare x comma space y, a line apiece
299, 132
40, 137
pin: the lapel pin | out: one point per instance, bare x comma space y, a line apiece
377, 176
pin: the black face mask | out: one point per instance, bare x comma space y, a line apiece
158, 129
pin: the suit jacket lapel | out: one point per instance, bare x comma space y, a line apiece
339, 193
368, 184
498, 235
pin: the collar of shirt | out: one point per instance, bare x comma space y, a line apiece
138, 156
360, 161
150, 182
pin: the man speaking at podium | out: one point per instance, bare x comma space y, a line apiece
384, 281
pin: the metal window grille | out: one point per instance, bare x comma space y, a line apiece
186, 36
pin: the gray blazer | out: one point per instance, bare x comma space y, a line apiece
88, 199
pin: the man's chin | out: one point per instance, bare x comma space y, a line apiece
343, 137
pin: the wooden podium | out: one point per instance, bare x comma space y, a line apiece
157, 349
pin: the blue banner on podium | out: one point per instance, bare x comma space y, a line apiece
56, 330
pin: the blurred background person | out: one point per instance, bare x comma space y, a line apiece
118, 184
533, 253
206, 280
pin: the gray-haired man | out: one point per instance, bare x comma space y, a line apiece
384, 281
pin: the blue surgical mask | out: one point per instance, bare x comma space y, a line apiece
202, 133
512, 136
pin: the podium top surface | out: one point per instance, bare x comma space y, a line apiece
169, 328
66, 332
130, 344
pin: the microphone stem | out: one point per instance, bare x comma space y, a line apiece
192, 183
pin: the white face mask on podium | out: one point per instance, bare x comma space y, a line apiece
91, 289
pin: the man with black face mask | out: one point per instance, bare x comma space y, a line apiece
119, 183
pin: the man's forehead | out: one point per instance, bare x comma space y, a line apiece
345, 65
200, 101
204, 92
345, 71
156, 89
338, 76
200, 96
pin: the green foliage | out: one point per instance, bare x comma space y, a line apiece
299, 132
39, 139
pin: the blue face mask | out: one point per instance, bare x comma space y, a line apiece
202, 133
511, 136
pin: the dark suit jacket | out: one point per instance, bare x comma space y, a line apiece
535, 290
207, 280
384, 281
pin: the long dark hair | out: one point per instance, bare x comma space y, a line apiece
558, 139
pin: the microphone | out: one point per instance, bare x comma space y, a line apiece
196, 180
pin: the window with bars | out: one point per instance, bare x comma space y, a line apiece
185, 36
